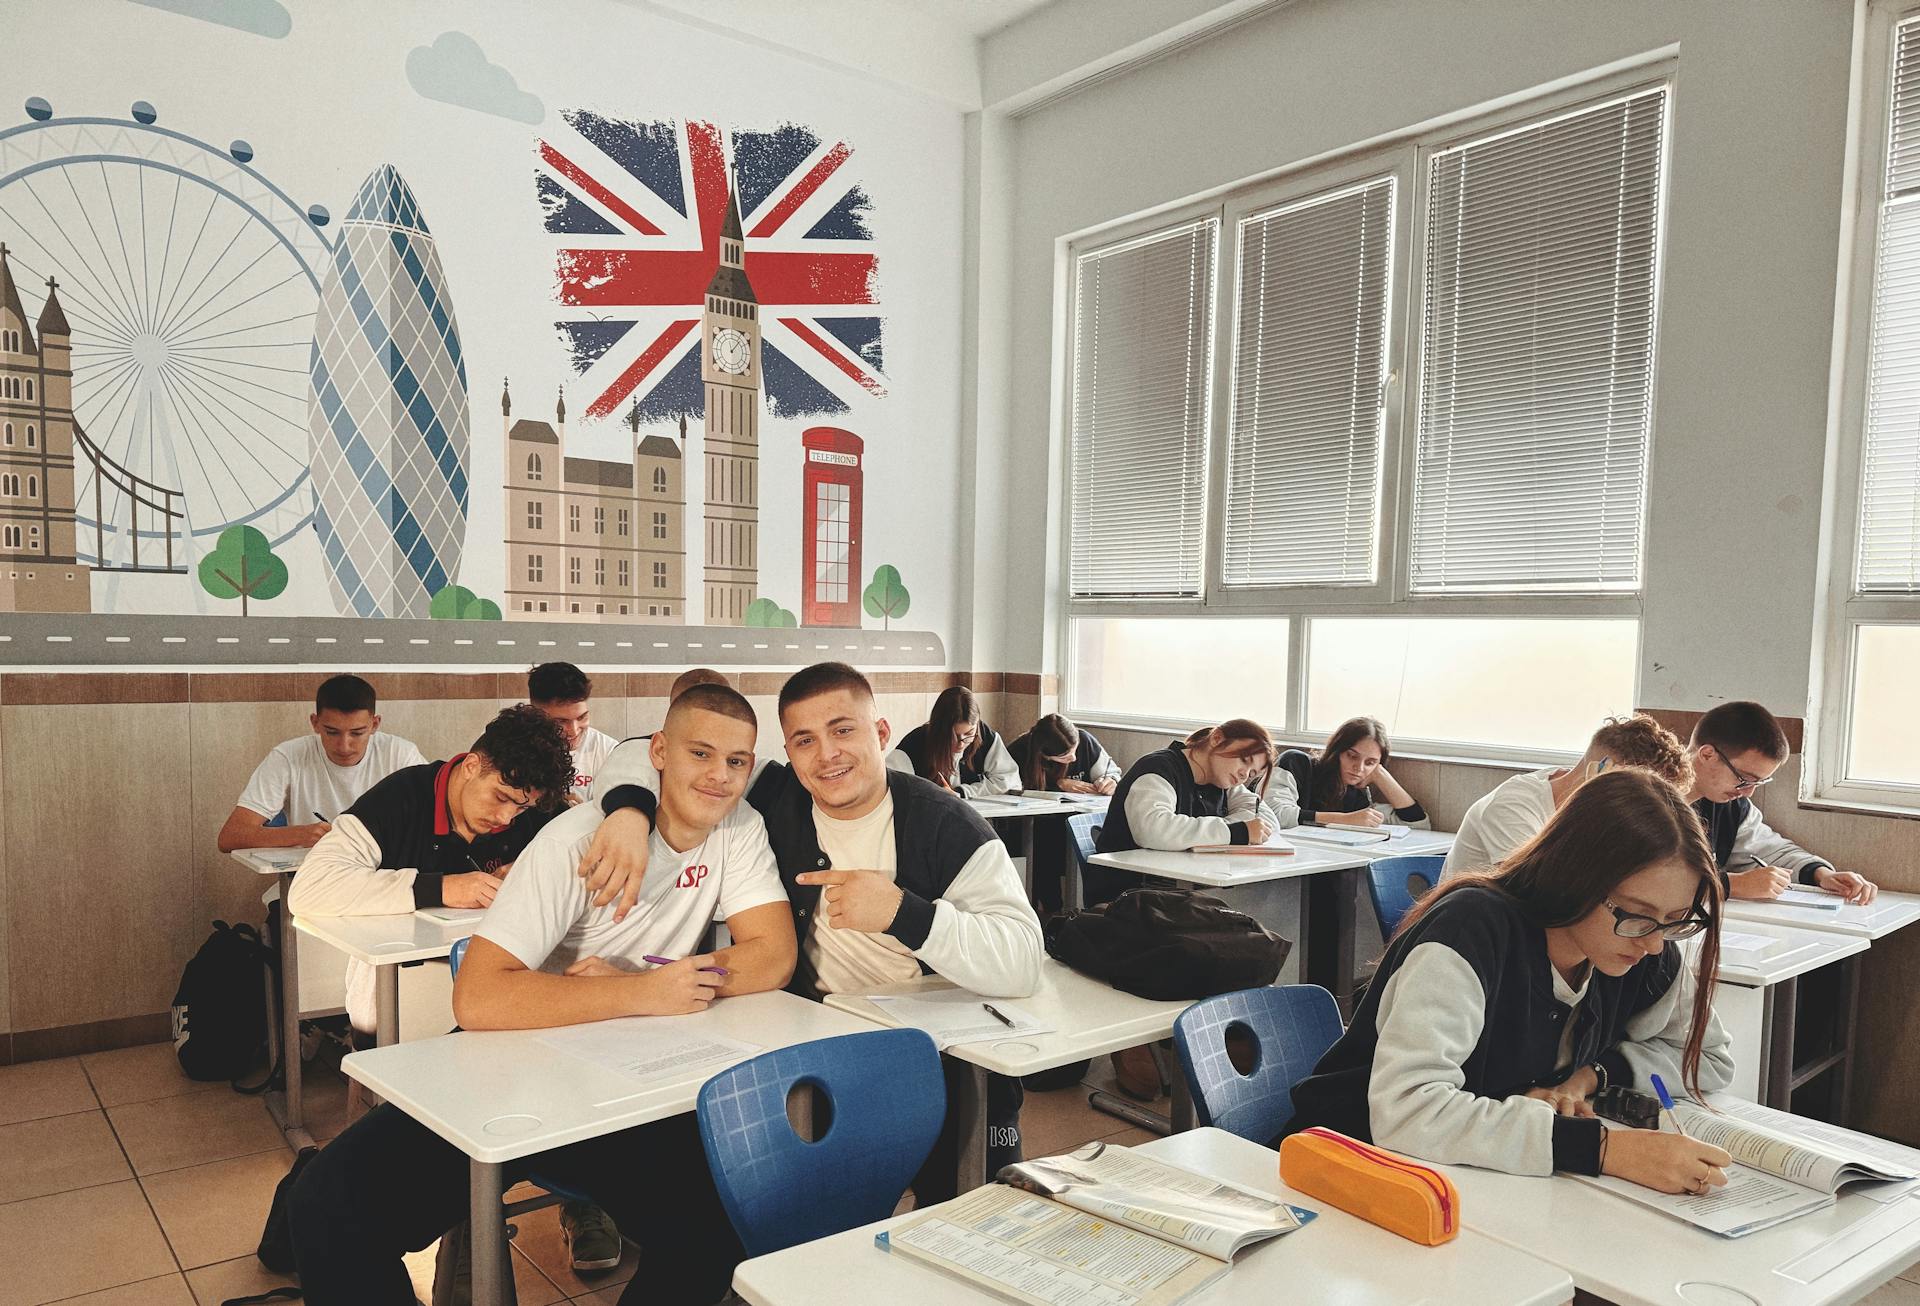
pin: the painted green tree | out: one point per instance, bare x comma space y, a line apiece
768, 615
243, 566
458, 603
886, 598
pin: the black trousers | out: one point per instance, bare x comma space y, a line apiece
935, 1182
389, 1185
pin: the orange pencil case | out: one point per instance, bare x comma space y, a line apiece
1401, 1196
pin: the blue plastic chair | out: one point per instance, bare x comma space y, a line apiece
1291, 1028
1083, 832
1387, 885
887, 1096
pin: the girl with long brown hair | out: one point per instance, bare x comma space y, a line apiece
1510, 997
1059, 757
956, 749
1337, 785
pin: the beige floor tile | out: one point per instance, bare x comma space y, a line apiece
140, 1075
171, 1133
530, 1287
38, 1157
1912, 1273
542, 1242
243, 1276
324, 1104
34, 1090
168, 1290
1131, 1137
121, 1240
215, 1212
1897, 1293
1060, 1121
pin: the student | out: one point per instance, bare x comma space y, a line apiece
543, 957
442, 833
1057, 756
956, 749
1508, 998
1736, 747
1185, 795
890, 877
307, 782
1333, 787
561, 690
695, 676
1519, 808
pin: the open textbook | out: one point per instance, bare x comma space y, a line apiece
1102, 1225
1783, 1168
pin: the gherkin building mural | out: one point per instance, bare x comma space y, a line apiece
387, 417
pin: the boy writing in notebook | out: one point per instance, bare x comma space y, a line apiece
890, 877
544, 956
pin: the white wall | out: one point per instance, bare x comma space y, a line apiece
1739, 422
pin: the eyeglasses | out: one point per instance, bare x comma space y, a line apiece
1744, 781
1632, 925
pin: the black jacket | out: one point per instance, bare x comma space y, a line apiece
406, 814
1299, 767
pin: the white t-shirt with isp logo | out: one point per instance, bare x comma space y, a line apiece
588, 758
544, 917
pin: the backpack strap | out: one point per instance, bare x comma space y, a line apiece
278, 1294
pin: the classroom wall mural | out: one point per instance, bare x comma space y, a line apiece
253, 329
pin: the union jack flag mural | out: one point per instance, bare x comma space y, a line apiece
636, 210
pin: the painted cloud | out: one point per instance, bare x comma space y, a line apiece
455, 70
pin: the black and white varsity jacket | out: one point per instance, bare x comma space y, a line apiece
1466, 1013
1091, 762
1741, 839
1291, 802
985, 769
1159, 804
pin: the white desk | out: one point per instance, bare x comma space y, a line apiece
1088, 1018
1327, 911
386, 943
1888, 912
1030, 807
283, 1039
1632, 1256
1758, 1001
500, 1095
1338, 1258
1414, 843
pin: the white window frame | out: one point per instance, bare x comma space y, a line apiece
1405, 157
1841, 611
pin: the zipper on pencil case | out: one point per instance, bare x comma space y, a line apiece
1428, 1177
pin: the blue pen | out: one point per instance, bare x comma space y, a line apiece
668, 961
1666, 1103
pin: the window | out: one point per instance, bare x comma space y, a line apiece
659, 575
527, 606
573, 607
536, 570
659, 480
573, 518
31, 438
10, 536
10, 485
626, 575
536, 514
599, 521
622, 522
29, 387
1427, 418
573, 572
9, 435
1536, 370
1142, 354
599, 571
833, 511
33, 487
533, 467
659, 526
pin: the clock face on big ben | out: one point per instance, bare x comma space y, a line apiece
732, 352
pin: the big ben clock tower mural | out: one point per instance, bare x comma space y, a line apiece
730, 374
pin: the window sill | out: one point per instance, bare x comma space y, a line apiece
1860, 807
1436, 753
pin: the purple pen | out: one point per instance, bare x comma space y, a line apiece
668, 961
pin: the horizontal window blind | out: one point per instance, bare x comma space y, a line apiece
1888, 557
1540, 270
1309, 373
1142, 363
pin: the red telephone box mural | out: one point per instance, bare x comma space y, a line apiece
830, 552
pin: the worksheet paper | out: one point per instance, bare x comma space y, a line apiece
647, 1049
1748, 948
1818, 899
284, 859
954, 1016
468, 916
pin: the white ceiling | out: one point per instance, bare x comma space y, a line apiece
976, 18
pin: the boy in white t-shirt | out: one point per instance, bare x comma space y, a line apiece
307, 782
561, 690
545, 956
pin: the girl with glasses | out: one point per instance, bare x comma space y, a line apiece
1509, 997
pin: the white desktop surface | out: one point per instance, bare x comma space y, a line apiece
1003, 806
255, 859
1224, 870
1414, 843
498, 1095
1088, 1019
1336, 1259
1799, 951
387, 940
1885, 914
1634, 1256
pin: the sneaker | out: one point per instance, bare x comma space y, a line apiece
590, 1235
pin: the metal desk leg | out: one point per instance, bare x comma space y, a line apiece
1778, 1005
1850, 1004
292, 1110
1327, 919
1183, 1117
486, 1187
971, 1111
386, 998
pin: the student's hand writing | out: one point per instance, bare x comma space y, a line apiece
1366, 816
1667, 1163
1569, 1097
1854, 888
1258, 832
855, 900
594, 966
1076, 787
309, 835
1106, 786
681, 988
1760, 882
473, 889
615, 864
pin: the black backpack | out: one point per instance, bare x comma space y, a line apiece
1167, 944
220, 1008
